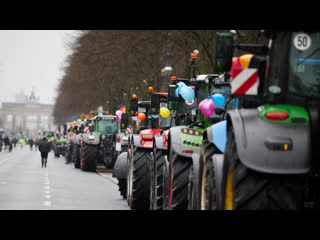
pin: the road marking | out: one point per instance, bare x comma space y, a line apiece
47, 203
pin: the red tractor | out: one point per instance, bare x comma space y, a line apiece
141, 151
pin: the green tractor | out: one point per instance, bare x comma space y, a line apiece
185, 138
98, 146
271, 157
60, 146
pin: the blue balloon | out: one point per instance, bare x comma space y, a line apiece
218, 99
83, 123
155, 116
177, 92
187, 93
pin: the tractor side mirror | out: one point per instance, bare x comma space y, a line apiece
224, 52
155, 104
124, 121
133, 106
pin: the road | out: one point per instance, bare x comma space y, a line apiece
25, 185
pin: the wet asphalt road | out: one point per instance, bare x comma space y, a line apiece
25, 185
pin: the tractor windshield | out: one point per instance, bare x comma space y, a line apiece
107, 126
304, 69
225, 90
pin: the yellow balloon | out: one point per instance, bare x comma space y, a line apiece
164, 112
245, 60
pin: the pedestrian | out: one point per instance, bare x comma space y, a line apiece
31, 143
1, 144
10, 146
44, 148
36, 142
15, 142
21, 142
6, 143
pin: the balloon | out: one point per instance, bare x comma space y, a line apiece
187, 93
141, 116
235, 64
164, 112
177, 92
245, 60
118, 118
218, 99
74, 123
119, 113
79, 121
207, 107
155, 116
83, 123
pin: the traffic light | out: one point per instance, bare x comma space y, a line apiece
40, 123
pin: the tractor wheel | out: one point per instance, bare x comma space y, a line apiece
156, 180
165, 186
193, 189
140, 179
179, 180
129, 175
56, 155
76, 155
252, 190
89, 157
122, 187
206, 194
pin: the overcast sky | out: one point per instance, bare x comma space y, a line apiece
32, 59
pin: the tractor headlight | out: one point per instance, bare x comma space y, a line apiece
103, 136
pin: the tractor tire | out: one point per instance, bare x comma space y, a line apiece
165, 186
251, 190
156, 179
89, 157
122, 183
140, 179
129, 175
76, 155
179, 180
206, 194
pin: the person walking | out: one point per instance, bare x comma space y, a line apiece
31, 143
21, 142
44, 148
6, 143
10, 146
1, 144
36, 142
15, 142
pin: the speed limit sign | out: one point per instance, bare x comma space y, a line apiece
302, 41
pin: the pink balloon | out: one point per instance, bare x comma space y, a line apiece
119, 113
207, 107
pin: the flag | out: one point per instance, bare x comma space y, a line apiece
123, 108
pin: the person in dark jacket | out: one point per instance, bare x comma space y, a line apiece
44, 148
31, 143
6, 143
1, 144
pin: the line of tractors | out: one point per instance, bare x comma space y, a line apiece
95, 139
245, 137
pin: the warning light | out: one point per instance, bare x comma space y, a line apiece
134, 96
194, 56
173, 78
150, 89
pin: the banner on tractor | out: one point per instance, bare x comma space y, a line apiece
245, 81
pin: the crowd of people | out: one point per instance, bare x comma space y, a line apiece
7, 144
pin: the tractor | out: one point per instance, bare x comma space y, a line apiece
160, 147
271, 156
98, 145
120, 167
185, 139
60, 145
140, 155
